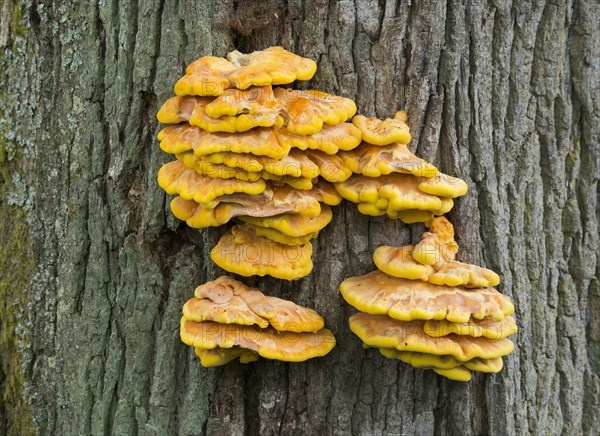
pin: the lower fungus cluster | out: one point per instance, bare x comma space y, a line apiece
425, 308
227, 320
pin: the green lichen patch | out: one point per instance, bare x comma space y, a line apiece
16, 268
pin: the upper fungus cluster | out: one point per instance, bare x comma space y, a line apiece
273, 161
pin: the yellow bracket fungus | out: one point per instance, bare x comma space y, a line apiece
401, 191
228, 301
176, 179
384, 332
210, 76
193, 109
242, 252
260, 141
406, 300
305, 112
293, 224
268, 343
378, 132
374, 161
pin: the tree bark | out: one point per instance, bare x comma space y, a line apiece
95, 269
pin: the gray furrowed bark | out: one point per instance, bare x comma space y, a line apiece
95, 269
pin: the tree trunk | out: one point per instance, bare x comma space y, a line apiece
95, 269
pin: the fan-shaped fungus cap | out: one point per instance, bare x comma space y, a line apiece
474, 327
260, 141
331, 167
228, 301
204, 167
385, 332
293, 224
406, 300
268, 343
178, 109
274, 66
271, 202
443, 185
254, 100
306, 111
378, 132
374, 161
176, 179
295, 164
221, 356
330, 139
242, 252
399, 262
401, 191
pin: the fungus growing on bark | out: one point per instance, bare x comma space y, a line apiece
406, 300
373, 161
293, 224
421, 304
228, 301
384, 332
247, 148
270, 203
242, 252
211, 76
227, 320
384, 132
176, 179
268, 343
432, 260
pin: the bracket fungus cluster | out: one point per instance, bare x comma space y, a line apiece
390, 180
270, 162
423, 307
266, 156
227, 320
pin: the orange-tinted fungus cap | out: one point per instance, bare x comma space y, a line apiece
274, 66
228, 301
305, 112
242, 252
406, 300
269, 343
383, 132
374, 161
259, 142
176, 179
384, 332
